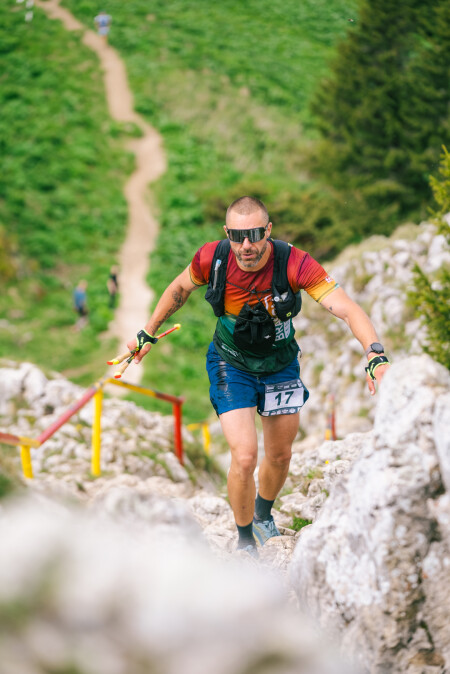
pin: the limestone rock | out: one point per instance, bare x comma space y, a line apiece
360, 567
371, 565
378, 279
441, 436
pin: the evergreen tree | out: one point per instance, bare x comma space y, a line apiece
424, 109
431, 296
384, 111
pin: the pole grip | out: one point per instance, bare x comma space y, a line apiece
119, 359
119, 372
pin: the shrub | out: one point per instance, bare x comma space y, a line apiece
431, 296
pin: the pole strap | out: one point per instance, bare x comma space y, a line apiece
143, 338
375, 362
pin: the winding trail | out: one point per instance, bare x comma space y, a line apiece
135, 295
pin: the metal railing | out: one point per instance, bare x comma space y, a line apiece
330, 431
206, 435
95, 391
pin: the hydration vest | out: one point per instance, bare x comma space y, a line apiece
287, 303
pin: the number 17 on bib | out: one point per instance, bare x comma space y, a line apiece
284, 398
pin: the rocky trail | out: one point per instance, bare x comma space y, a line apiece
372, 550
135, 295
368, 564
211, 511
141, 476
134, 571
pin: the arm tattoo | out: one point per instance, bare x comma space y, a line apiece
179, 298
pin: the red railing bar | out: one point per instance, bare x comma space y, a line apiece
333, 418
17, 440
178, 440
45, 435
146, 391
169, 398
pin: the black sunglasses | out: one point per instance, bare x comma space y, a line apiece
253, 235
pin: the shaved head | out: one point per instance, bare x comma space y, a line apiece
247, 206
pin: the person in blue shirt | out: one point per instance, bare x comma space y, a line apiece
80, 304
103, 23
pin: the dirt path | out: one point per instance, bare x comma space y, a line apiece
135, 295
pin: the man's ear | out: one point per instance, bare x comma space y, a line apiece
225, 229
269, 228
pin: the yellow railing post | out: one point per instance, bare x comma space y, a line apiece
96, 433
206, 435
206, 438
25, 455
95, 391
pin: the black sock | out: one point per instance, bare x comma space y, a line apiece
245, 535
263, 508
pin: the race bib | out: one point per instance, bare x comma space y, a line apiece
284, 398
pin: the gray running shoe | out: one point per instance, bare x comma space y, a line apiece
262, 531
250, 550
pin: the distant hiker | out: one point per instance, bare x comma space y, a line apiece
80, 304
103, 23
113, 286
253, 285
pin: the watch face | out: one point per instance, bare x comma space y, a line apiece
376, 347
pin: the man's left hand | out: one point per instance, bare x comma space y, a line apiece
378, 374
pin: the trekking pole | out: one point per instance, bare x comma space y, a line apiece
129, 355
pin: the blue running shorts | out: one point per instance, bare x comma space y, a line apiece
231, 389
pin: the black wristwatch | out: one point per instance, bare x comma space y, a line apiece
376, 347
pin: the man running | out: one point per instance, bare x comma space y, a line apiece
252, 361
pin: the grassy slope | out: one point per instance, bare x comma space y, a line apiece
228, 88
60, 191
227, 85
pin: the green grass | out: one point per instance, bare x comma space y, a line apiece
10, 471
228, 87
276, 48
298, 523
6, 486
315, 473
61, 202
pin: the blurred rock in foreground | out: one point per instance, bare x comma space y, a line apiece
80, 593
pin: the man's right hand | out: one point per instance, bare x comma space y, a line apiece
143, 342
139, 354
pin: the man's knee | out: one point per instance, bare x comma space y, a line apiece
243, 464
279, 457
